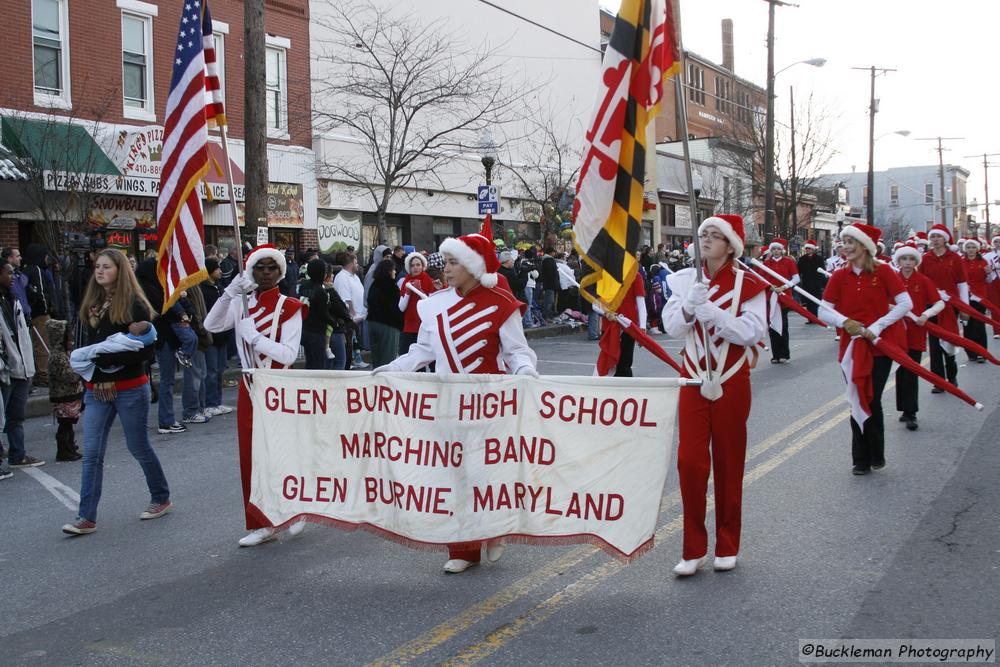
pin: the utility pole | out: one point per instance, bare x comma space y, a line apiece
872, 110
795, 211
769, 122
255, 114
940, 151
986, 186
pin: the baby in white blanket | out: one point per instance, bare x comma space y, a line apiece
140, 334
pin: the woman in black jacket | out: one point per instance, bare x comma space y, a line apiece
327, 312
384, 317
114, 303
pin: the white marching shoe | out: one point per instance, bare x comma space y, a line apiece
257, 537
724, 563
494, 551
456, 565
686, 568
296, 528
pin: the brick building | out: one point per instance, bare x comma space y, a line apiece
82, 101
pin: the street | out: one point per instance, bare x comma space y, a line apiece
911, 551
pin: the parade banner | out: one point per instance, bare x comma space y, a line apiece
427, 459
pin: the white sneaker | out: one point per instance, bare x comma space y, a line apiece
456, 565
257, 537
494, 551
724, 563
219, 410
686, 568
330, 354
296, 528
197, 418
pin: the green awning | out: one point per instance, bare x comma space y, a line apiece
56, 146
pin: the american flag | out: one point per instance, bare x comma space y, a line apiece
194, 102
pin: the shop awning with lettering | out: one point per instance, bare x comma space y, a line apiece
54, 145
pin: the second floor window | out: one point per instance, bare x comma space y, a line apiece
49, 56
928, 193
696, 84
277, 121
894, 195
136, 82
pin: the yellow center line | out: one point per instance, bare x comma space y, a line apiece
472, 615
574, 591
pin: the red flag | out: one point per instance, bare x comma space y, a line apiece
790, 303
961, 306
961, 341
610, 345
896, 354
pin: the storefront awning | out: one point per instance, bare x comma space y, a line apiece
53, 145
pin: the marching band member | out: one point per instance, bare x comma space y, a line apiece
993, 289
778, 262
730, 305
980, 274
475, 305
869, 300
267, 338
416, 275
838, 260
926, 304
947, 272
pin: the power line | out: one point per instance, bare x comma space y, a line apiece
539, 25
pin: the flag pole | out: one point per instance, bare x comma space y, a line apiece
232, 209
682, 120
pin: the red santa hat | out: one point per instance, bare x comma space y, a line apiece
266, 251
881, 247
866, 235
810, 243
922, 238
477, 253
731, 227
975, 241
996, 237
778, 243
907, 250
940, 230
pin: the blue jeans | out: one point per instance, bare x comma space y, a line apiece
593, 325
165, 405
187, 337
529, 295
131, 406
549, 304
215, 365
339, 348
15, 399
193, 392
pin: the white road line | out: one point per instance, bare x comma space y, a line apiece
63, 493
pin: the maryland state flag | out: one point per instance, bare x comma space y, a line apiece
607, 212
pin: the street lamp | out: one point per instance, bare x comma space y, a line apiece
489, 152
769, 138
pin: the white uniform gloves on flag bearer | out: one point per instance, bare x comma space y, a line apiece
697, 302
241, 284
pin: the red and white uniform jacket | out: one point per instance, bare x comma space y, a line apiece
786, 267
836, 262
277, 317
979, 274
948, 274
877, 299
480, 332
926, 301
408, 299
739, 322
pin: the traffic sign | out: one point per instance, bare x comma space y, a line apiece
489, 201
262, 235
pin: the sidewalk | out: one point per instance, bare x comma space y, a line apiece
39, 405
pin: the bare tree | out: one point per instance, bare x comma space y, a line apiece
413, 96
813, 142
544, 165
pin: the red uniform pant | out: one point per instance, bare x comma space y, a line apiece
713, 436
244, 432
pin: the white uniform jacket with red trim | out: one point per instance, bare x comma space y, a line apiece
479, 332
278, 344
739, 321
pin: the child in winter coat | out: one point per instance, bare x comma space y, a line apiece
65, 389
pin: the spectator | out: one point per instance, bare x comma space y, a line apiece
290, 282
337, 344
167, 345
65, 389
384, 315
19, 285
193, 392
114, 303
516, 276
321, 316
569, 296
38, 291
420, 279
352, 293
399, 259
215, 354
181, 324
378, 254
661, 253
19, 369
550, 284
230, 265
211, 252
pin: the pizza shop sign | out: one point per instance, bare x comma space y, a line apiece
140, 153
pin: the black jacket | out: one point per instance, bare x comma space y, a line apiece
518, 280
812, 280
132, 362
211, 294
383, 303
326, 308
145, 273
550, 273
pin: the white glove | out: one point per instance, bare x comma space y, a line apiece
875, 328
247, 330
381, 369
706, 312
696, 296
527, 370
242, 284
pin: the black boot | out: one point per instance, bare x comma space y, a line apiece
66, 442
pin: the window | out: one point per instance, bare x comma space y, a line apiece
743, 110
864, 196
928, 193
220, 61
137, 61
893, 195
277, 88
722, 95
50, 52
696, 84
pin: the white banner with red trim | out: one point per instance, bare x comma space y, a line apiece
428, 459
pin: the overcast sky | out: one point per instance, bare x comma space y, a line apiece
946, 54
